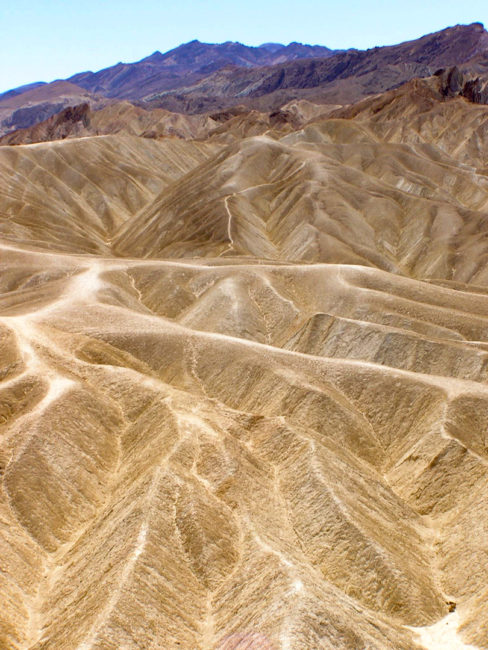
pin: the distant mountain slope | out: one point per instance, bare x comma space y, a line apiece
20, 110
187, 63
9, 94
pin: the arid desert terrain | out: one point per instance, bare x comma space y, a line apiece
244, 376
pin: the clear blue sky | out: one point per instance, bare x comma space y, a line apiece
49, 39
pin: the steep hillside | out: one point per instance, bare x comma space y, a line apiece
74, 195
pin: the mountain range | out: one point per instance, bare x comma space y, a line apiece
185, 64
197, 78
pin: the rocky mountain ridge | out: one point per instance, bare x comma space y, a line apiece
343, 78
188, 62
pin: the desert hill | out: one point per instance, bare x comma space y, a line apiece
116, 117
129, 119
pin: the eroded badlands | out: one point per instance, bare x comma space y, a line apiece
243, 386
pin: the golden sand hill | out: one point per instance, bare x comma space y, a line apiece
243, 385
